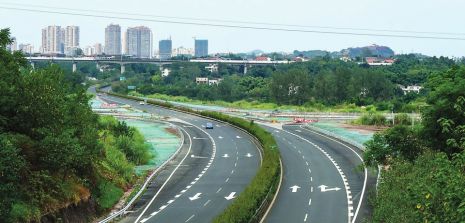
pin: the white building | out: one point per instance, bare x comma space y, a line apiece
138, 42
113, 40
71, 41
53, 40
165, 72
214, 81
201, 80
182, 51
205, 80
213, 68
411, 88
26, 48
89, 51
98, 49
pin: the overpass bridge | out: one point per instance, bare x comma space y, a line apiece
122, 61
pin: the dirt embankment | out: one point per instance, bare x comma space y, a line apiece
83, 212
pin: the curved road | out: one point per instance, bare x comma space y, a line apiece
322, 179
213, 167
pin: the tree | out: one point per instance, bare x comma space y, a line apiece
398, 142
444, 118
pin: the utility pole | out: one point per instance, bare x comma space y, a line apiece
392, 115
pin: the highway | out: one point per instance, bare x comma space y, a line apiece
213, 167
322, 179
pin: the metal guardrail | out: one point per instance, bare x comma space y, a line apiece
121, 212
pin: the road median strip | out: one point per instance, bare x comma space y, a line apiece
255, 200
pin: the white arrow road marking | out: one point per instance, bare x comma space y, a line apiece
297, 130
276, 131
195, 197
238, 137
203, 126
294, 188
225, 155
220, 137
231, 196
218, 126
249, 155
198, 138
325, 188
198, 157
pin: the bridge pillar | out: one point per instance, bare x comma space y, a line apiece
245, 69
74, 67
97, 66
123, 68
33, 65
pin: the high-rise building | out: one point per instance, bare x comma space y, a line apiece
52, 40
89, 51
94, 50
139, 42
113, 40
98, 49
26, 48
165, 49
71, 38
201, 48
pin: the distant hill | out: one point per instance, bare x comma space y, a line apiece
311, 53
368, 51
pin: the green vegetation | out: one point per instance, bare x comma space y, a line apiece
55, 152
321, 84
263, 186
371, 119
424, 176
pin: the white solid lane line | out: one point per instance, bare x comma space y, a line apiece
169, 177
366, 173
189, 186
190, 218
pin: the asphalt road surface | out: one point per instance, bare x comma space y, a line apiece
323, 180
213, 167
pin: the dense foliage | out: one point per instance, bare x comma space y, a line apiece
54, 152
320, 81
425, 175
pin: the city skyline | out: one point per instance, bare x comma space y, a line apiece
362, 15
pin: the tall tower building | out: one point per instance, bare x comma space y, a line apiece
113, 40
138, 42
53, 40
165, 49
98, 48
71, 37
201, 48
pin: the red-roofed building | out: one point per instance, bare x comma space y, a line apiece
263, 59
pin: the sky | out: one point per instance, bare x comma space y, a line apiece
412, 15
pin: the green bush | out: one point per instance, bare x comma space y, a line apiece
371, 119
402, 119
109, 194
21, 212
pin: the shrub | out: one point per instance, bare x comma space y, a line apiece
402, 119
109, 194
